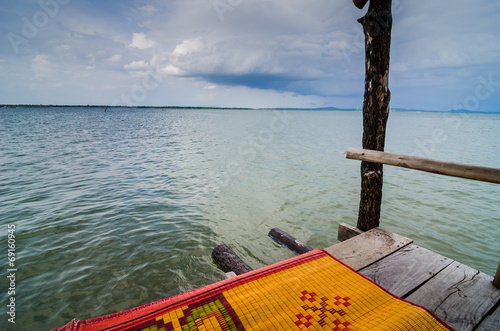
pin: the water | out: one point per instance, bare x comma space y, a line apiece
121, 208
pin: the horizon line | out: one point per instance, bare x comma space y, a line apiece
331, 108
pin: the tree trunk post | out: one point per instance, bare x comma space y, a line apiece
377, 25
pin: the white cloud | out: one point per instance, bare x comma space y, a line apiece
115, 58
40, 66
136, 65
140, 41
267, 47
189, 46
171, 70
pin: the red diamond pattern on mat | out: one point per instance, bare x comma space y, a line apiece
339, 301
319, 309
341, 326
303, 320
308, 296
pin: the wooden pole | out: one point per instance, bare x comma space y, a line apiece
496, 280
283, 238
377, 26
360, 3
485, 174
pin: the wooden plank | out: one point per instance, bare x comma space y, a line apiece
347, 231
292, 243
368, 247
485, 174
492, 323
405, 270
459, 295
228, 261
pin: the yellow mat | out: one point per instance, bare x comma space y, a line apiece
313, 291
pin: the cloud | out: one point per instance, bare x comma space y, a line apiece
279, 48
189, 46
40, 66
280, 45
140, 41
136, 65
171, 70
115, 58
286, 63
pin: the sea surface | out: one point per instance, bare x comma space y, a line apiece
117, 209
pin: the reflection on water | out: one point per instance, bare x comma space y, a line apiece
118, 209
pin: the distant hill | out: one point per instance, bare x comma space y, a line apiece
454, 111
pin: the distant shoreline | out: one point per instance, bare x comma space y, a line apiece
458, 111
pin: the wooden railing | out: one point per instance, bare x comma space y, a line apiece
486, 174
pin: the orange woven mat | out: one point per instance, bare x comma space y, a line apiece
313, 291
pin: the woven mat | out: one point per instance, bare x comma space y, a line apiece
313, 291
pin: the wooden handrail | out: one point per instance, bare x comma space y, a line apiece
485, 174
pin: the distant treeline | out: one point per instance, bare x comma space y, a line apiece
162, 107
222, 108
110, 107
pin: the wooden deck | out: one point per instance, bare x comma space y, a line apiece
461, 296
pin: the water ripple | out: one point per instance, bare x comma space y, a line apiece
118, 209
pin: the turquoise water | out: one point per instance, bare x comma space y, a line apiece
120, 208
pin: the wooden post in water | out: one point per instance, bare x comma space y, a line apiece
360, 3
377, 25
496, 280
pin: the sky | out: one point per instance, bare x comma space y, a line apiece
445, 54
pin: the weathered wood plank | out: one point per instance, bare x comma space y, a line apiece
228, 261
492, 323
292, 243
468, 171
368, 247
459, 295
405, 270
347, 231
